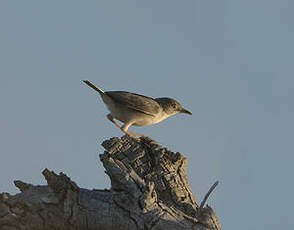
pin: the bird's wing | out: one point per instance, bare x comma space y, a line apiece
140, 103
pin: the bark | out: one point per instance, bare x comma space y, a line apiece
149, 190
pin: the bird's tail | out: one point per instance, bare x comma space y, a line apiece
94, 87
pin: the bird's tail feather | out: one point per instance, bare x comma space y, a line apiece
93, 87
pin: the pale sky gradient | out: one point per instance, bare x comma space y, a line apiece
229, 62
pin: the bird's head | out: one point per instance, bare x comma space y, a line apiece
171, 106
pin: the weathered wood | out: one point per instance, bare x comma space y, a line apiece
149, 190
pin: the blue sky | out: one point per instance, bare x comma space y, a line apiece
229, 62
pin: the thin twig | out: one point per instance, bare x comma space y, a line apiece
208, 193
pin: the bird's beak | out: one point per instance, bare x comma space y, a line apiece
186, 111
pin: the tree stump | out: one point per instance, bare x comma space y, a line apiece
149, 190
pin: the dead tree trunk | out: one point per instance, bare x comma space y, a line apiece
149, 190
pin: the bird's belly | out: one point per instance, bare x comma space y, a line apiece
134, 117
149, 120
127, 115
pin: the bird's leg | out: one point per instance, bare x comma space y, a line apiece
125, 127
133, 135
110, 117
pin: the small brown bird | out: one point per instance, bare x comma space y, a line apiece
138, 110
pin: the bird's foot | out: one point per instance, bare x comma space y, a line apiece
143, 140
134, 138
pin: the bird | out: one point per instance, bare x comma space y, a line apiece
137, 110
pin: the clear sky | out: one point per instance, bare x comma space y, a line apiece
229, 62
